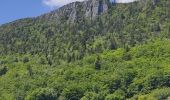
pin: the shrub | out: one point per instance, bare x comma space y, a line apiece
73, 92
3, 71
114, 97
42, 94
25, 59
90, 96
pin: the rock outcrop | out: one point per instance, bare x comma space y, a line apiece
77, 10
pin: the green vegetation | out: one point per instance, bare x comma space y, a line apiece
124, 25
122, 54
142, 72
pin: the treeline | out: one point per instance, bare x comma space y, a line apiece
124, 25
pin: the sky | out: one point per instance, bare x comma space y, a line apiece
11, 10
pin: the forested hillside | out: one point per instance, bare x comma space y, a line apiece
142, 72
120, 51
124, 25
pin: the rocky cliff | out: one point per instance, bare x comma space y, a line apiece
78, 10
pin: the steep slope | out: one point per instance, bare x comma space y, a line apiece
91, 50
76, 11
141, 73
122, 25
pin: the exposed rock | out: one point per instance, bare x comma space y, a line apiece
78, 10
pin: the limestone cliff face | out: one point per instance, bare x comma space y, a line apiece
77, 10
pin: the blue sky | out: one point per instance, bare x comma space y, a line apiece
15, 9
11, 10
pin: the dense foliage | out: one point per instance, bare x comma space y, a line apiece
123, 25
141, 72
122, 54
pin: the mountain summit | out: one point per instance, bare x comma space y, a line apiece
75, 11
88, 9
84, 24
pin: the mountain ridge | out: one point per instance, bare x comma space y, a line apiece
117, 18
71, 9
121, 54
88, 9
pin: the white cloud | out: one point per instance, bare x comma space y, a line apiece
58, 3
125, 1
